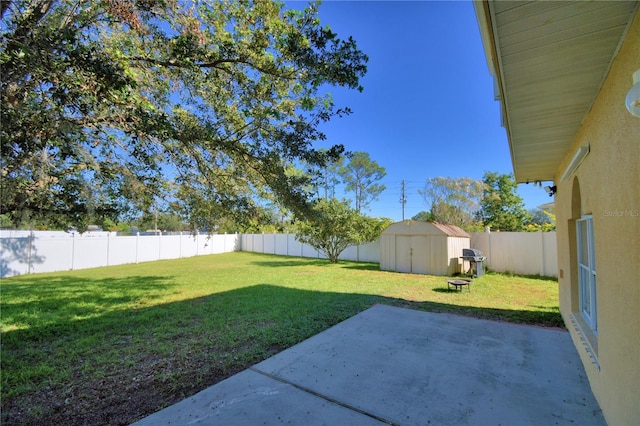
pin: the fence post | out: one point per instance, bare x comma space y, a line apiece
29, 244
542, 268
137, 245
73, 249
108, 240
489, 241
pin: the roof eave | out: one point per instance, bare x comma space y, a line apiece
542, 131
485, 24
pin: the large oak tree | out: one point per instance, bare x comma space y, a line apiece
107, 105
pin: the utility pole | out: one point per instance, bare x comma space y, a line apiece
403, 197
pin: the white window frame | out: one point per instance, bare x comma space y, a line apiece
587, 290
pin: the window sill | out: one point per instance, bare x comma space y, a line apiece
587, 336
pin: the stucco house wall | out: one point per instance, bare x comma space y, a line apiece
607, 186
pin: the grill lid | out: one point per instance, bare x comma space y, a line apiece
473, 255
471, 252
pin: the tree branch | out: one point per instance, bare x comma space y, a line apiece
171, 63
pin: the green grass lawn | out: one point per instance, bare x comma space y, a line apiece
111, 345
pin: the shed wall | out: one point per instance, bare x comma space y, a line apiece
434, 253
436, 257
454, 250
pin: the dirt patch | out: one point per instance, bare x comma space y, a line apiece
116, 399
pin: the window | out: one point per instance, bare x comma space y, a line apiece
587, 272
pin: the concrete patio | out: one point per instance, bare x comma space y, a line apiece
390, 365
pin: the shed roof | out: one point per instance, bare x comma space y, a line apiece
418, 227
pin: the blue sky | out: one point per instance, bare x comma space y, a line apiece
427, 108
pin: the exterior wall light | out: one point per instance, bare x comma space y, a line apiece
633, 97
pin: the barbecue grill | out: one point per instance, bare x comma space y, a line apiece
475, 259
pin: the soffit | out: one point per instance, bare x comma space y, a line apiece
551, 59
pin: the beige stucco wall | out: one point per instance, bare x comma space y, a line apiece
609, 184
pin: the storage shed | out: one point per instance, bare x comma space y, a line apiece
422, 247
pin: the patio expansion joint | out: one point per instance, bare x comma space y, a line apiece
325, 397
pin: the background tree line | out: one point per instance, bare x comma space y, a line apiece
474, 205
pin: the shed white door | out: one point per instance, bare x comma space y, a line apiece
411, 254
403, 253
419, 246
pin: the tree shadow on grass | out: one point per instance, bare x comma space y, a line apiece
125, 363
363, 266
551, 319
529, 276
35, 301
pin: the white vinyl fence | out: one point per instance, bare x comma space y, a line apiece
25, 252
287, 245
525, 253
